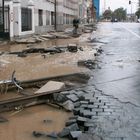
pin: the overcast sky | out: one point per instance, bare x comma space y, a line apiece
114, 4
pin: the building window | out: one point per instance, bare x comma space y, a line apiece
26, 18
40, 17
47, 18
1, 20
52, 18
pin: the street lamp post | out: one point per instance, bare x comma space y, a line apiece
130, 3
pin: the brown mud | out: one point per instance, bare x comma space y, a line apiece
21, 124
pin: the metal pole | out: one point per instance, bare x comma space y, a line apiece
3, 13
55, 14
131, 12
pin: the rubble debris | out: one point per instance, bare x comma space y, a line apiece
60, 36
52, 50
22, 55
72, 97
89, 137
100, 50
33, 50
3, 119
38, 40
1, 53
51, 86
47, 121
52, 135
91, 64
43, 38
72, 48
66, 131
81, 77
26, 41
68, 105
74, 135
38, 134
59, 98
70, 122
49, 36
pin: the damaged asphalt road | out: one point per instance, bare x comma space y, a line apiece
108, 106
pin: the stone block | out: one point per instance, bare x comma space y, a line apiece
66, 131
76, 111
73, 117
72, 47
97, 110
104, 113
60, 98
84, 106
81, 119
77, 104
72, 97
70, 122
68, 105
84, 102
74, 135
88, 114
89, 137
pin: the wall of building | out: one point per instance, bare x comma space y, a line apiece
97, 5
83, 10
0, 2
42, 17
47, 7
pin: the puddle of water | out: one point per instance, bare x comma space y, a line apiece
34, 66
22, 124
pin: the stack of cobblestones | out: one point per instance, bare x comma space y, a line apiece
91, 108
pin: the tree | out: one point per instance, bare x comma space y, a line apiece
120, 14
138, 13
107, 14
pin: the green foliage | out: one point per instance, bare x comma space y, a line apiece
138, 13
119, 14
107, 14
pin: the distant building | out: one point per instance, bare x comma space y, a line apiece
37, 16
83, 10
97, 7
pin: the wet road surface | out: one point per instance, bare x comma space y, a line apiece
120, 75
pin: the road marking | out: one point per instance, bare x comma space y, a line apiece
138, 36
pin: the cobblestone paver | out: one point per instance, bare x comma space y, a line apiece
105, 116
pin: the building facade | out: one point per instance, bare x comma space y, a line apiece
27, 17
83, 10
97, 8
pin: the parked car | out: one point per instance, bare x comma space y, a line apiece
114, 20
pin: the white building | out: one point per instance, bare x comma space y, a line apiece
83, 9
27, 17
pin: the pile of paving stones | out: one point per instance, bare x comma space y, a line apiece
88, 107
91, 109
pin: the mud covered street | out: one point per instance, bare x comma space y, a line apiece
105, 107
